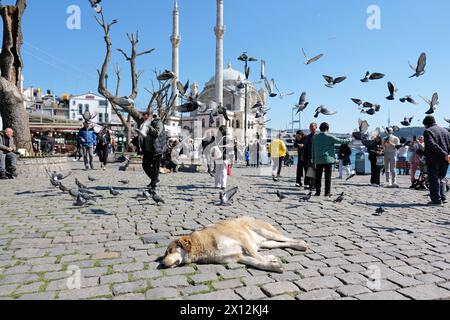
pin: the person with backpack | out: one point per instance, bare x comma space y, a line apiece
154, 146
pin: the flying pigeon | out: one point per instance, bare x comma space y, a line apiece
227, 196
270, 86
190, 106
331, 82
447, 120
340, 198
113, 192
420, 68
280, 196
302, 103
57, 176
182, 89
407, 121
306, 198
166, 75
323, 110
96, 5
124, 101
223, 111
79, 184
433, 103
363, 126
263, 69
373, 76
312, 60
212, 115
408, 99
392, 91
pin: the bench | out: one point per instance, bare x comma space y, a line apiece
403, 166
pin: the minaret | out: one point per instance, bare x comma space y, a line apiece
175, 39
219, 31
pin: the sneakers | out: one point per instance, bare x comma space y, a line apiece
3, 176
298, 185
445, 201
435, 204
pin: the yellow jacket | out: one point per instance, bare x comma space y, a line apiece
277, 149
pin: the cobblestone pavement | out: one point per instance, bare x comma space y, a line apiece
45, 242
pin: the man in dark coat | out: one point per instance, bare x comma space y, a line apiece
307, 155
437, 155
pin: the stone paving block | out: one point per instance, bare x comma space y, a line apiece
161, 293
386, 295
114, 278
171, 282
352, 290
279, 288
194, 290
352, 278
256, 281
315, 283
6, 290
30, 288
128, 267
407, 270
405, 282
228, 284
429, 278
281, 297
131, 296
147, 274
222, 295
129, 287
19, 278
84, 293
426, 292
204, 277
251, 293
41, 296
325, 294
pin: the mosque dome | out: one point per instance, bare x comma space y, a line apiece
229, 74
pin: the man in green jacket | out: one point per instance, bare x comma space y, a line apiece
324, 157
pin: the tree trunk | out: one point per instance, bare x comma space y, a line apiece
12, 107
14, 115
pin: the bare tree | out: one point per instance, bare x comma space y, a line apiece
161, 102
12, 108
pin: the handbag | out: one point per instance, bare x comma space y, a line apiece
380, 161
311, 173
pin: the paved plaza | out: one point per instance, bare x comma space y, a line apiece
45, 242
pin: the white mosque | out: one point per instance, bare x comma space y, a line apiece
223, 88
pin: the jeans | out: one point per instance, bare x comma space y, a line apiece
390, 164
300, 169
8, 162
436, 176
151, 164
320, 168
375, 172
275, 166
88, 155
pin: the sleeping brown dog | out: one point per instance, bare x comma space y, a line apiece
232, 241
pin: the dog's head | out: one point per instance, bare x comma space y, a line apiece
177, 252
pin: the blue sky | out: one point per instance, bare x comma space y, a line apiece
66, 60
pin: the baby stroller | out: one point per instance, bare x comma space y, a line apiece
422, 183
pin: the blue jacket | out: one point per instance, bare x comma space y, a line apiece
89, 137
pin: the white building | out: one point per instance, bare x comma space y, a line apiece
95, 104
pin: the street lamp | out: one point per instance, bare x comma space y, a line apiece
246, 59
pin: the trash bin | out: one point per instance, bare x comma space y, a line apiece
360, 163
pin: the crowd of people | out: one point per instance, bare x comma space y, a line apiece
429, 154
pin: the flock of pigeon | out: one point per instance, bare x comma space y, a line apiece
370, 108
84, 197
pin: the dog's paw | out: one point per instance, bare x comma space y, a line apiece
272, 259
276, 267
301, 246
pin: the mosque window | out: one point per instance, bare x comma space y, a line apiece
203, 123
238, 124
217, 123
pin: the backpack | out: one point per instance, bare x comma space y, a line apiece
160, 143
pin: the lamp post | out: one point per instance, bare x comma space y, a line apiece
246, 59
